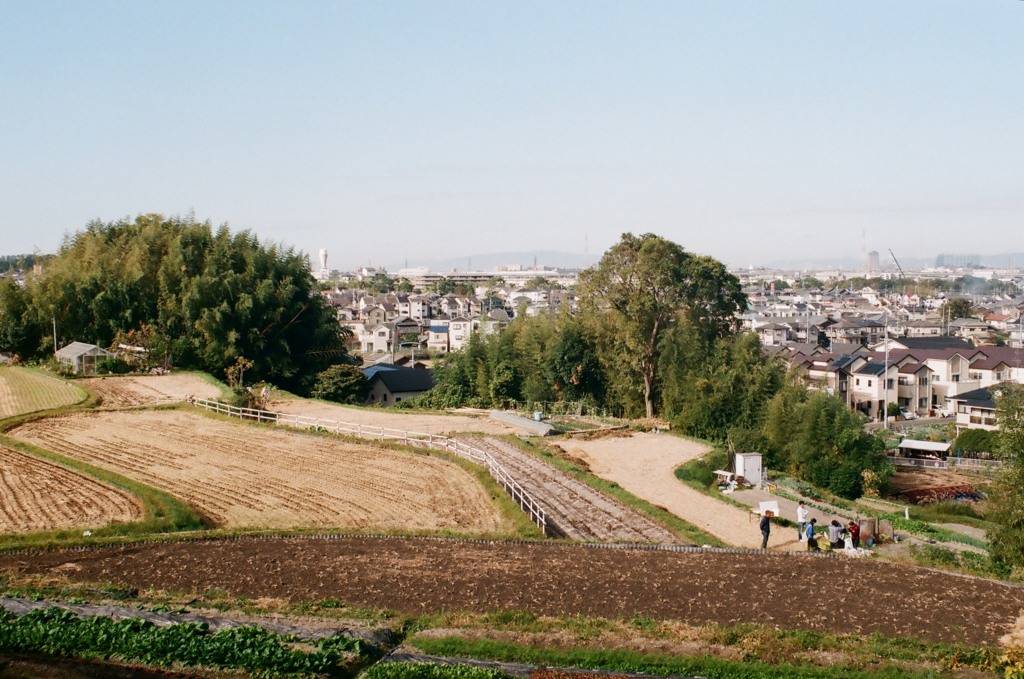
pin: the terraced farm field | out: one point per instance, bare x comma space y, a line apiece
136, 390
243, 476
37, 494
25, 391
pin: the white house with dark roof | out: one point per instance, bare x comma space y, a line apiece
873, 384
975, 409
391, 386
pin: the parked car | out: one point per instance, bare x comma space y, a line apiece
908, 414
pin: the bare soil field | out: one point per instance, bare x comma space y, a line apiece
574, 509
245, 476
24, 391
137, 390
921, 479
644, 464
416, 576
37, 494
447, 425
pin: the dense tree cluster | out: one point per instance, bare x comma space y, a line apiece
209, 296
656, 335
1006, 502
817, 438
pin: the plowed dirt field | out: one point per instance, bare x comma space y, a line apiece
419, 575
37, 494
137, 390
239, 475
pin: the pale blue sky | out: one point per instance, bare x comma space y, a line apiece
391, 131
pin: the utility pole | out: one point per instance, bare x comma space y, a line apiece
885, 376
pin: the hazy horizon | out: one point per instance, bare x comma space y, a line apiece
391, 132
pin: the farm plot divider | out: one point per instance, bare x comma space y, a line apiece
536, 513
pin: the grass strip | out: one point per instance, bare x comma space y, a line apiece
630, 661
409, 670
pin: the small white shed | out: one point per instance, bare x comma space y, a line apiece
748, 465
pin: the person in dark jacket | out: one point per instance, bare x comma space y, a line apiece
766, 528
854, 531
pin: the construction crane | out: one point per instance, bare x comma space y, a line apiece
902, 275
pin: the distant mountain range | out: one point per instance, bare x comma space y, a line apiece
493, 261
574, 260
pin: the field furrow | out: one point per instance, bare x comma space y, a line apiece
37, 494
25, 391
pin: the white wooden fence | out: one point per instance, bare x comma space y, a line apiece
918, 462
966, 462
975, 463
435, 441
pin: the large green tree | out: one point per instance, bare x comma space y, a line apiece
217, 296
645, 284
956, 307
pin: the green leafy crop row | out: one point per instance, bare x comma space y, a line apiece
58, 632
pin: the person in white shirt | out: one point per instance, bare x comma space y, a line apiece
801, 520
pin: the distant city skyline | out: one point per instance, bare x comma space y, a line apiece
746, 130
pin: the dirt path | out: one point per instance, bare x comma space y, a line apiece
644, 464
697, 587
438, 423
575, 510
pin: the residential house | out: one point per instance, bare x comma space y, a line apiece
828, 372
773, 334
855, 330
971, 329
913, 387
925, 328
975, 409
374, 315
437, 338
459, 331
397, 384
376, 338
873, 386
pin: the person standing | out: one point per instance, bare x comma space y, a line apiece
836, 534
812, 542
801, 520
766, 528
854, 530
